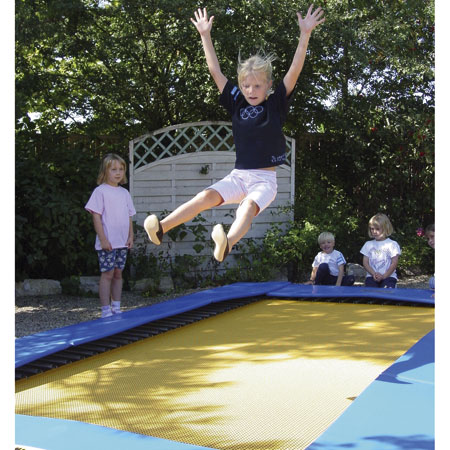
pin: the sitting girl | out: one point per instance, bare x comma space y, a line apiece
381, 253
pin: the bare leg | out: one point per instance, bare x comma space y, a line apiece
116, 285
202, 201
104, 287
245, 214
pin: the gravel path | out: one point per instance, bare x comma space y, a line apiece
39, 313
44, 312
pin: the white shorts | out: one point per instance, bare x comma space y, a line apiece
255, 184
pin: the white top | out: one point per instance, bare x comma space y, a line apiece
116, 207
333, 259
380, 254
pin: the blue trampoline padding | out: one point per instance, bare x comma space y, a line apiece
30, 348
416, 365
57, 434
400, 294
395, 411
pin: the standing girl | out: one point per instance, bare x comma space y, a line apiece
111, 208
257, 116
380, 254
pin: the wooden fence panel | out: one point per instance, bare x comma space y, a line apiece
194, 157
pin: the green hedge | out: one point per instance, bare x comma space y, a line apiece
55, 235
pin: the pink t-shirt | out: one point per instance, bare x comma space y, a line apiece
116, 207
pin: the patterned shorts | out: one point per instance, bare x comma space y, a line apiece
116, 258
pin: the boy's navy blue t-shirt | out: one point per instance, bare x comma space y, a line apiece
257, 130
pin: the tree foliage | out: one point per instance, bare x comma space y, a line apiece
362, 115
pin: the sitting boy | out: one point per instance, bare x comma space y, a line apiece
328, 265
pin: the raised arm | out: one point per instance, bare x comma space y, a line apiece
307, 25
204, 27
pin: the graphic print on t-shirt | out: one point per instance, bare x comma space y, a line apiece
379, 260
250, 112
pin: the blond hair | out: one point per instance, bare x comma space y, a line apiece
255, 64
383, 222
325, 236
106, 164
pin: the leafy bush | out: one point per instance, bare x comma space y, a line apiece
70, 285
55, 236
417, 257
293, 249
141, 264
54, 233
253, 262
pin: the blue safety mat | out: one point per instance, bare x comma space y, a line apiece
30, 348
58, 434
395, 412
400, 294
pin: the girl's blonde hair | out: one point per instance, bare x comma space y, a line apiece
255, 64
382, 221
325, 236
106, 164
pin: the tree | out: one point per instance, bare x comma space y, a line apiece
373, 103
365, 98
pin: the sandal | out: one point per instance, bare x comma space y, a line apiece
153, 229
220, 238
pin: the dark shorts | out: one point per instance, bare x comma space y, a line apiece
324, 277
386, 283
115, 259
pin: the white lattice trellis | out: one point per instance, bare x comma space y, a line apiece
188, 138
171, 165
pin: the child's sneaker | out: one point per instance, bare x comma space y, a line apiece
115, 307
106, 312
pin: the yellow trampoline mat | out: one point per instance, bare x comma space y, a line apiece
270, 375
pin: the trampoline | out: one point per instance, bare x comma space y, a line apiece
246, 366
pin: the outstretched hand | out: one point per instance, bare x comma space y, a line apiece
201, 21
311, 20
